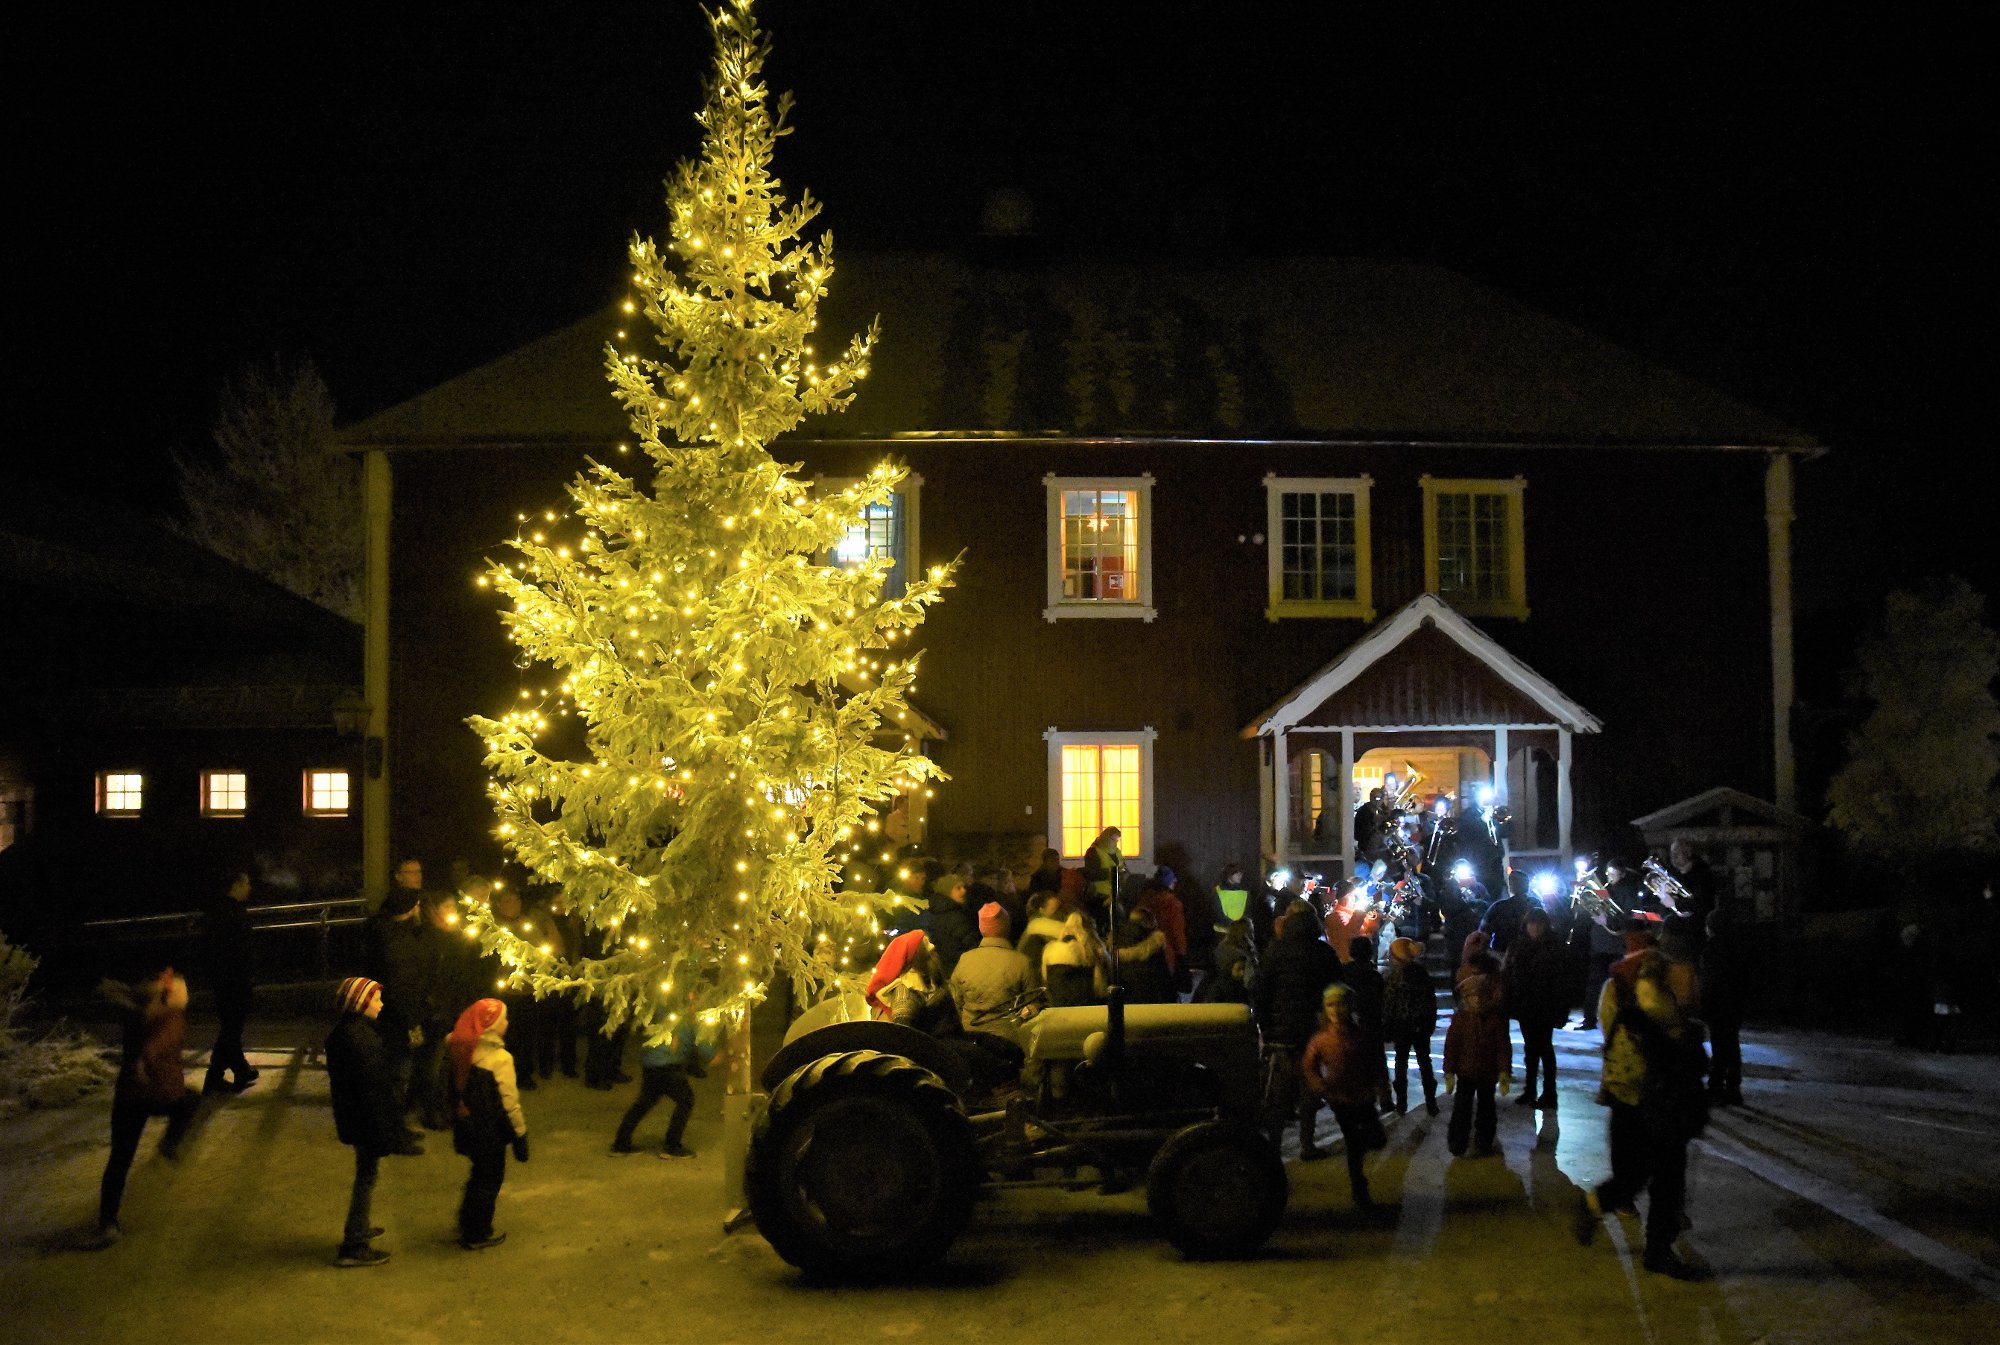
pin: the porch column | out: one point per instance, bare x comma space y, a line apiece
1346, 800
1281, 798
376, 498
1500, 781
1565, 799
1778, 539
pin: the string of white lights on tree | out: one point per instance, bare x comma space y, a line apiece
736, 700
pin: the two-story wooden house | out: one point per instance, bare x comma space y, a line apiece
1238, 541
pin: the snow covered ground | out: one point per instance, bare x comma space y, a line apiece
1856, 1198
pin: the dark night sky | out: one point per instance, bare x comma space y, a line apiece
1780, 205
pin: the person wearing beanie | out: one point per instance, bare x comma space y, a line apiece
150, 1083
994, 986
488, 1119
1160, 901
1654, 1086
1292, 977
896, 959
1343, 1069
1235, 959
1409, 1017
954, 924
1478, 1054
366, 1113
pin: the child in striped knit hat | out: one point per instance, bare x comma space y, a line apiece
366, 1113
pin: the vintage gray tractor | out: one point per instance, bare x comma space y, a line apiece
879, 1138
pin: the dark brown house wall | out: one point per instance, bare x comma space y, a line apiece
1646, 585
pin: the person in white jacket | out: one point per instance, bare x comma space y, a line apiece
487, 1120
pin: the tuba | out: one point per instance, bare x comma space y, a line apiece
1406, 793
1590, 897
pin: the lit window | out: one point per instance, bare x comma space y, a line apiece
1099, 780
224, 793
1317, 531
886, 528
326, 793
1474, 557
1100, 553
120, 793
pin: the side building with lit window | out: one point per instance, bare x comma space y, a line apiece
1239, 543
170, 714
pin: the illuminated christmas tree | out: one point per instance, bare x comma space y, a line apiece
720, 729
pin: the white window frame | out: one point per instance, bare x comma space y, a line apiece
1057, 739
306, 783
208, 808
1140, 605
103, 791
1513, 490
910, 490
1362, 604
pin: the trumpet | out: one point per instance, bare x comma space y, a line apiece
1660, 881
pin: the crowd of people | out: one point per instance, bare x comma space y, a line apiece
428, 1038
1340, 987
1343, 991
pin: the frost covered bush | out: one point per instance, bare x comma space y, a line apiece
51, 1070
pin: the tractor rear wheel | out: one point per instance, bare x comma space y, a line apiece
862, 1168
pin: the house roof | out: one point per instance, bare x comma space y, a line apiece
1424, 613
119, 610
1304, 348
1718, 799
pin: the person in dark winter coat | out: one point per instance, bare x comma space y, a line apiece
1366, 989
1725, 988
1536, 978
1344, 1069
1292, 978
1504, 918
1234, 975
1463, 900
1603, 936
488, 1120
367, 1114
226, 933
394, 956
664, 1071
1478, 1054
1144, 959
954, 924
150, 1083
1409, 1017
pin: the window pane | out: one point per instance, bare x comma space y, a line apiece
1100, 545
1473, 546
326, 792
878, 532
224, 792
1318, 546
1101, 787
1080, 797
1121, 796
120, 792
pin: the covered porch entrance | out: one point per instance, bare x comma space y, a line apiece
1425, 691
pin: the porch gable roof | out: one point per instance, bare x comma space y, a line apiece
1426, 611
1716, 800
